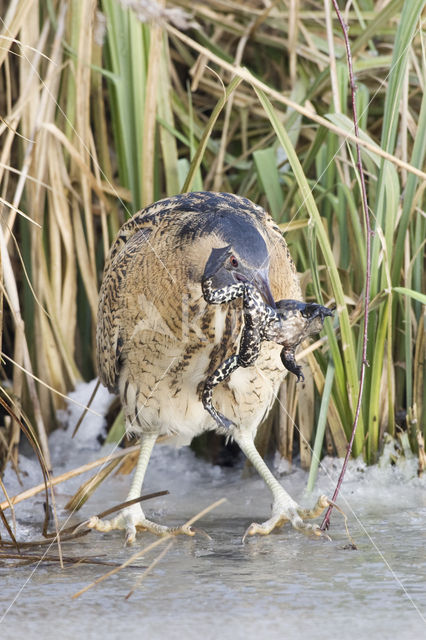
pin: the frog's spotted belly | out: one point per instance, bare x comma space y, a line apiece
286, 325
176, 408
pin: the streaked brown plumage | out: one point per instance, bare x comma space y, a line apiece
158, 340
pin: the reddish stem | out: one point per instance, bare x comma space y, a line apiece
364, 363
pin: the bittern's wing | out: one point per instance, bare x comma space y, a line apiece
108, 335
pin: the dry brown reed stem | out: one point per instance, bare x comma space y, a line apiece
121, 505
36, 557
218, 172
151, 546
21, 350
46, 475
422, 455
244, 74
49, 387
86, 408
80, 529
9, 503
84, 492
335, 86
43, 542
80, 161
29, 493
125, 564
8, 529
149, 569
326, 522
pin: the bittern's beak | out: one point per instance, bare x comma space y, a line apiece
261, 282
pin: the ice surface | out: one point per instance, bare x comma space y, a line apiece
280, 586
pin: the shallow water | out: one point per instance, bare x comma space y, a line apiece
280, 586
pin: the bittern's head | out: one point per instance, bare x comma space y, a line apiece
243, 260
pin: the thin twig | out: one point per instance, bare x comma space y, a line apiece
149, 569
78, 530
46, 475
45, 542
34, 557
29, 493
8, 529
118, 507
351, 540
126, 563
29, 375
11, 507
86, 408
143, 551
326, 522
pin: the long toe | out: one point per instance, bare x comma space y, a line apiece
312, 530
295, 515
264, 528
132, 521
322, 503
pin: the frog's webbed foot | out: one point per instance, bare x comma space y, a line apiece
288, 360
221, 420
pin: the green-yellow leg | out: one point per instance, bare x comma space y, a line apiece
284, 508
133, 518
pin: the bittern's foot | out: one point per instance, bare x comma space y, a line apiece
133, 519
282, 513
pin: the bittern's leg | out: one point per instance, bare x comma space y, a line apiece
284, 508
148, 441
133, 518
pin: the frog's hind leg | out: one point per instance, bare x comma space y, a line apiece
222, 373
289, 361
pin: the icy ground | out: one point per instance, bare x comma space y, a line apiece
283, 586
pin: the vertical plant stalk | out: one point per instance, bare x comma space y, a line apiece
326, 522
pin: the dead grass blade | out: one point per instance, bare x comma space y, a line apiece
89, 404
125, 564
37, 450
8, 529
145, 550
55, 480
150, 568
87, 488
29, 558
78, 530
48, 386
245, 74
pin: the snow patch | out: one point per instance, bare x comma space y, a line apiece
94, 421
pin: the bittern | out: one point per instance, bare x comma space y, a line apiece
159, 340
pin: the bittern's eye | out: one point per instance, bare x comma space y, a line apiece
233, 260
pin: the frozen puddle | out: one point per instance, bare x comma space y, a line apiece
280, 586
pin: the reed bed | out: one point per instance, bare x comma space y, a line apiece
108, 106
